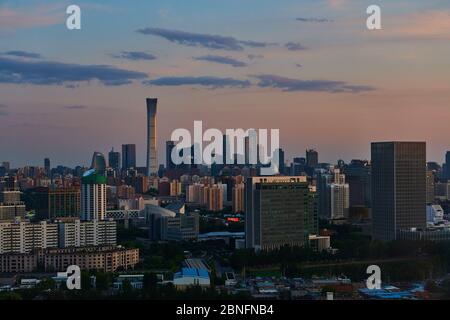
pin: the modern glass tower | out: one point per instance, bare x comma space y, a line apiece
279, 211
152, 157
128, 156
398, 188
98, 162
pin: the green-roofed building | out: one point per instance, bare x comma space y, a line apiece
93, 196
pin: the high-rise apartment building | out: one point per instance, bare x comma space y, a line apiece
398, 187
279, 211
93, 196
339, 200
238, 198
24, 236
152, 157
175, 188
214, 198
76, 233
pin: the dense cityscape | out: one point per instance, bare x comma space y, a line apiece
224, 231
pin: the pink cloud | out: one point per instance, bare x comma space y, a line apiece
425, 25
12, 19
336, 3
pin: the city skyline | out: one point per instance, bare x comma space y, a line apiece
256, 64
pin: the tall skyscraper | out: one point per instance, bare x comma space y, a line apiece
47, 167
169, 147
152, 156
398, 187
93, 196
114, 159
128, 156
312, 158
447, 165
98, 162
279, 211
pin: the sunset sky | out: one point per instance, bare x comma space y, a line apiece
310, 68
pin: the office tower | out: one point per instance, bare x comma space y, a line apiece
152, 157
53, 202
430, 187
170, 145
357, 175
324, 179
312, 158
93, 196
446, 166
398, 187
140, 183
98, 163
114, 159
238, 196
128, 156
47, 167
279, 211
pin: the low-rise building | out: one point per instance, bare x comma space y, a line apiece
191, 277
106, 259
136, 281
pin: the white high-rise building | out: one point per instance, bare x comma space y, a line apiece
24, 237
339, 200
78, 233
93, 196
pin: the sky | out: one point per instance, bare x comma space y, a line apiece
309, 68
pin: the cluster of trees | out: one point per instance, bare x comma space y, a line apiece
48, 289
